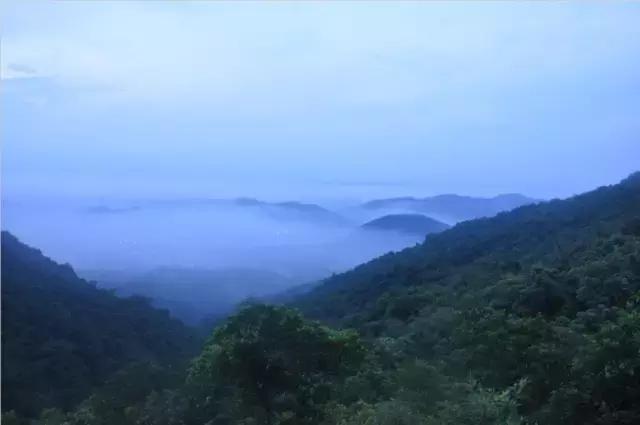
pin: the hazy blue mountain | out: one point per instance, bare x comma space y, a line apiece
415, 224
451, 208
192, 294
290, 210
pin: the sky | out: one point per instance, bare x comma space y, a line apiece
315, 100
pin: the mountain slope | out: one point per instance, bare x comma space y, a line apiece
551, 291
61, 336
486, 247
452, 208
415, 224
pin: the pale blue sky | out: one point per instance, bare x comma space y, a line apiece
312, 99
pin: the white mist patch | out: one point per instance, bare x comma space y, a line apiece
296, 240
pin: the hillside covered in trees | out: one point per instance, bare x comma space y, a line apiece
529, 317
62, 337
483, 250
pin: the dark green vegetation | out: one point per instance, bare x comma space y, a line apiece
62, 337
530, 317
276, 366
265, 365
414, 224
539, 305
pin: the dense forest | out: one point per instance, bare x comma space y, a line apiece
528, 317
62, 337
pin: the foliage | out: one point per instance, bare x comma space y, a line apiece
281, 366
62, 337
540, 302
531, 317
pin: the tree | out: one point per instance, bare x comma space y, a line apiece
282, 367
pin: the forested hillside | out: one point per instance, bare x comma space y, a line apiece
537, 309
531, 317
483, 250
62, 337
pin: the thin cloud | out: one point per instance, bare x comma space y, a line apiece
22, 69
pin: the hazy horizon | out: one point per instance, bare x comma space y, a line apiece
317, 101
336, 104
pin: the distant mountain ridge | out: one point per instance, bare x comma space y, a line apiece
415, 224
279, 210
452, 207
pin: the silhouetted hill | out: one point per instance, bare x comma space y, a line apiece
416, 224
452, 208
61, 336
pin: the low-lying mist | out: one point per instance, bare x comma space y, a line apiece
201, 236
199, 257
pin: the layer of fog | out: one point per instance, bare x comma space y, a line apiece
207, 237
125, 243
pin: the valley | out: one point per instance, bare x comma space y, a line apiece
537, 287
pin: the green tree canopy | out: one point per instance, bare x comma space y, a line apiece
282, 367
